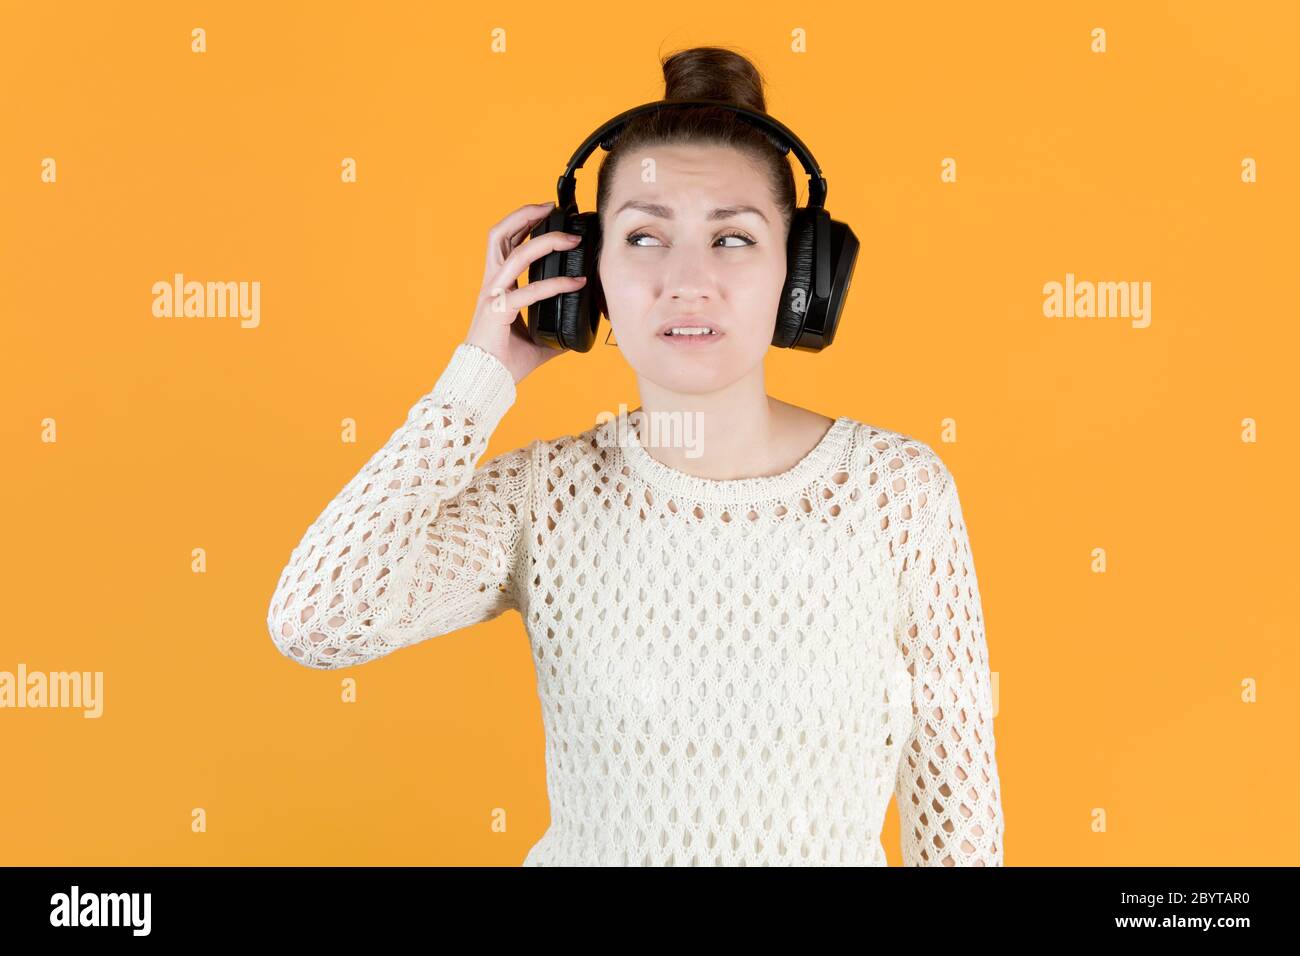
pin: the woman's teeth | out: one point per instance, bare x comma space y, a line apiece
691, 330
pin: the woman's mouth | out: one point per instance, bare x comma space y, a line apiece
691, 336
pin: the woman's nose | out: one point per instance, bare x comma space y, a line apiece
688, 277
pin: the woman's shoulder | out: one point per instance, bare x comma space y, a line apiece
897, 458
874, 444
559, 452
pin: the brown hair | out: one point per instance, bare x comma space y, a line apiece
712, 73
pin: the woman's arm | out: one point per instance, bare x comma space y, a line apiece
948, 791
419, 542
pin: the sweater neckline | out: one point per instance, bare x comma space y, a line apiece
762, 487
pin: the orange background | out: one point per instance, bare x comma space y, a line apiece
1119, 691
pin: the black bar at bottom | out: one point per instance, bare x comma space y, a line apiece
929, 907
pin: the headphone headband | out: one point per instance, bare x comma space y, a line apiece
782, 136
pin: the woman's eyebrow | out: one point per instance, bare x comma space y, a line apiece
665, 212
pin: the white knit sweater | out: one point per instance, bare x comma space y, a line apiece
730, 672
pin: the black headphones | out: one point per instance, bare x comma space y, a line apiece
820, 254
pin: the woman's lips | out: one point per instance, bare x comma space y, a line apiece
687, 322
692, 341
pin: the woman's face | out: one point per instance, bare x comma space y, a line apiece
701, 241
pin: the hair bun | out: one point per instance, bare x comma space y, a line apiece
713, 73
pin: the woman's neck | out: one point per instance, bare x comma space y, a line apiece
723, 440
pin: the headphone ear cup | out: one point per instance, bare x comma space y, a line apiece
796, 295
579, 310
543, 321
843, 258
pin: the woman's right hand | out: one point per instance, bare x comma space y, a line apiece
498, 327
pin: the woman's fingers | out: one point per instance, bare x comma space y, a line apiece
511, 301
520, 236
529, 252
498, 325
520, 221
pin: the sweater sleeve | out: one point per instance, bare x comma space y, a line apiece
420, 542
948, 791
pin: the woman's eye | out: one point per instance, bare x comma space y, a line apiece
737, 235
633, 239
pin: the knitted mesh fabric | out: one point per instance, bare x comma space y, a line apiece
730, 672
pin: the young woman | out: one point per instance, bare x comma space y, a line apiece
743, 647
